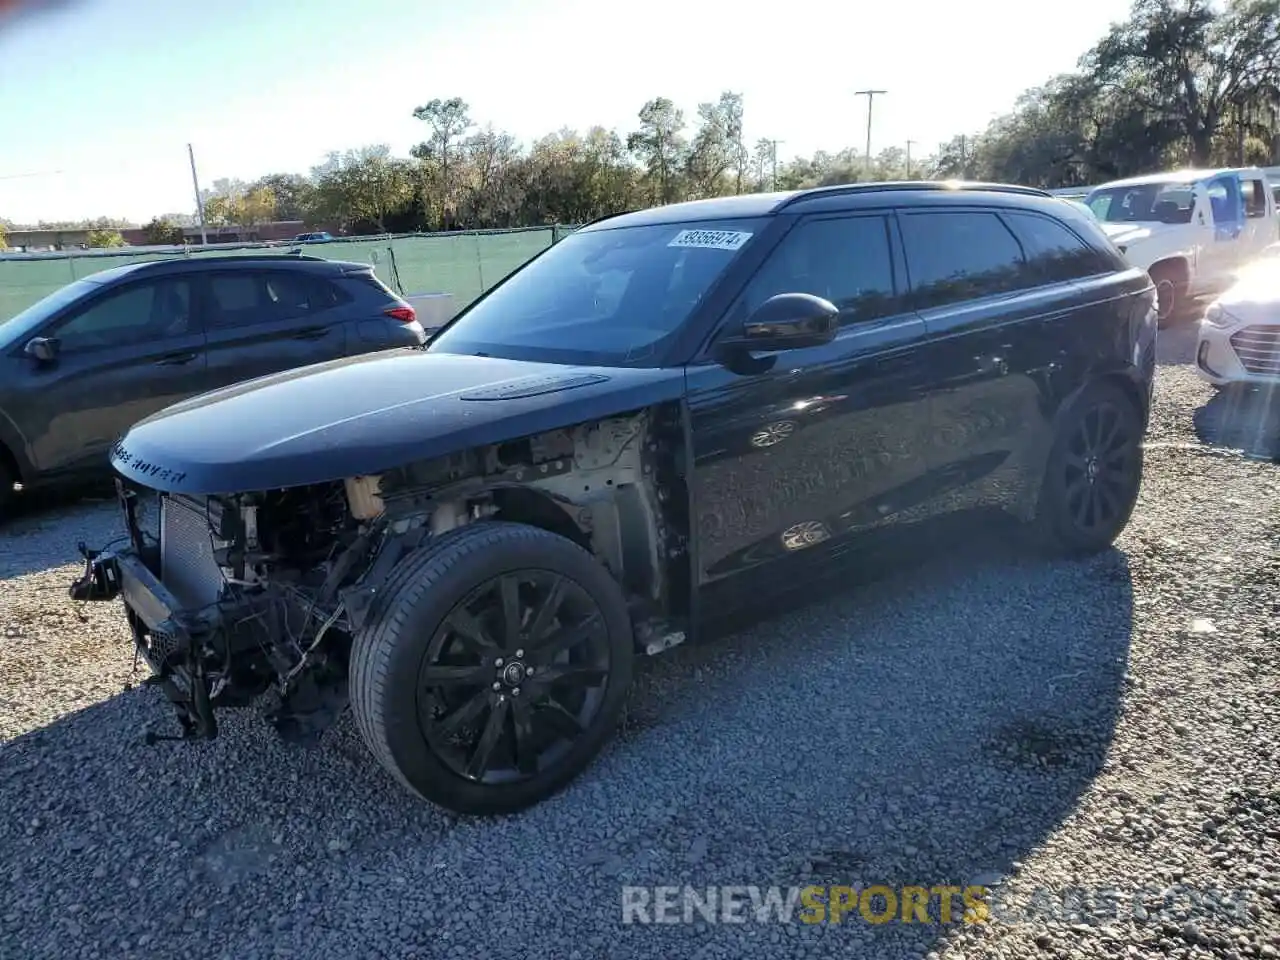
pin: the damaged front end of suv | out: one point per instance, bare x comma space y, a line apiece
231, 598
309, 597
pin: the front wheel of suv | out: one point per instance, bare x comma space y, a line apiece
1093, 475
496, 670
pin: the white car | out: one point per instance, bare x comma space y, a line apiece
1239, 339
1191, 230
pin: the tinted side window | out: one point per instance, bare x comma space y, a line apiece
296, 295
960, 256
1053, 252
235, 300
135, 314
248, 297
847, 261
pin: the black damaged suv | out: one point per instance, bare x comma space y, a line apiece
665, 413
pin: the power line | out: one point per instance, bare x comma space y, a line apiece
871, 98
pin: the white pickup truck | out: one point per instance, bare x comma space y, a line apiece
1190, 229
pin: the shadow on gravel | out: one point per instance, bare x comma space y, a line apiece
1176, 344
1245, 419
36, 512
939, 752
922, 728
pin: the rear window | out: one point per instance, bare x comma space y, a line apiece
370, 279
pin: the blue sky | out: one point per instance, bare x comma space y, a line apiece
101, 97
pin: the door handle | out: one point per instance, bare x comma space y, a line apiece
175, 359
311, 333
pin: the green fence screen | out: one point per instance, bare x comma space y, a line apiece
461, 264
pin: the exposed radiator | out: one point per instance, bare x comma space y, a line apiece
187, 563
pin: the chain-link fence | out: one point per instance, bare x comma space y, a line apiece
461, 264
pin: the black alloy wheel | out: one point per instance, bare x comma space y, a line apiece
495, 667
1099, 468
514, 676
1093, 475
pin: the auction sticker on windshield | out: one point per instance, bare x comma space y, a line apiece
710, 239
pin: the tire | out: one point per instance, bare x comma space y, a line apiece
1060, 527
1171, 291
399, 685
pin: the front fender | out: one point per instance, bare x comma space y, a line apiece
12, 439
1147, 255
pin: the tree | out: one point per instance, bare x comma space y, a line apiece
1191, 65
364, 185
4, 237
574, 178
717, 148
294, 194
254, 206
105, 238
661, 147
490, 181
449, 120
763, 156
163, 232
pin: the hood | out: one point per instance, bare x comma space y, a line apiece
1255, 294
367, 414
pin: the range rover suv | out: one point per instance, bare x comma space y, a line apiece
663, 415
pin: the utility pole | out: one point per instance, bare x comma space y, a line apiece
774, 145
964, 158
195, 183
871, 99
909, 144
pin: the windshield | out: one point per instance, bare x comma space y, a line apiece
1169, 202
602, 297
36, 314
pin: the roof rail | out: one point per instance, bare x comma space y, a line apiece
843, 189
234, 258
607, 216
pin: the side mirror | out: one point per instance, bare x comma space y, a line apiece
44, 349
789, 321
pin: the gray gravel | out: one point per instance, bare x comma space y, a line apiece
1110, 723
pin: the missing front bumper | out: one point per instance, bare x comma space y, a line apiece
165, 637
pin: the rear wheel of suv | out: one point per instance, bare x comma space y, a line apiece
496, 669
1093, 474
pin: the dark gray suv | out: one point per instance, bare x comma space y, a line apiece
81, 366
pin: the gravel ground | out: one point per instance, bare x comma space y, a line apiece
1038, 729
